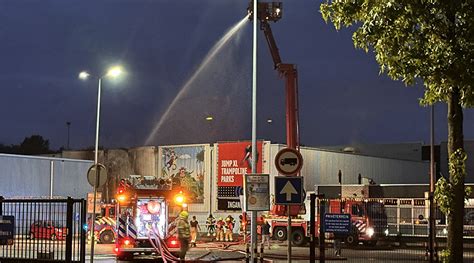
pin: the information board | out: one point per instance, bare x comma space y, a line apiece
7, 230
90, 203
337, 223
257, 192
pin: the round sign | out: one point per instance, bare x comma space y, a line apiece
288, 161
101, 173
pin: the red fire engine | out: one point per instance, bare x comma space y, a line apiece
142, 222
368, 222
104, 224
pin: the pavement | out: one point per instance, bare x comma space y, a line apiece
209, 250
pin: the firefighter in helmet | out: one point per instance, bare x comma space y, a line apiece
229, 227
183, 233
220, 229
211, 225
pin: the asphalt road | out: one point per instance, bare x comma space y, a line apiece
235, 252
214, 252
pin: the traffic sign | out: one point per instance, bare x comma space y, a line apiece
288, 161
289, 190
101, 173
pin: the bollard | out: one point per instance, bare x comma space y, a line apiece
247, 250
261, 253
255, 251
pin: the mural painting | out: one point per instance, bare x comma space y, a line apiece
184, 166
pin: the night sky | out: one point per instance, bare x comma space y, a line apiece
161, 44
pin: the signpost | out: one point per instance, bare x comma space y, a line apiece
97, 177
289, 191
7, 230
257, 192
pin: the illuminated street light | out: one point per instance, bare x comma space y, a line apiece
112, 72
84, 75
209, 118
115, 71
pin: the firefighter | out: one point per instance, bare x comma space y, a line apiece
220, 229
183, 234
242, 225
229, 227
194, 230
211, 225
231, 219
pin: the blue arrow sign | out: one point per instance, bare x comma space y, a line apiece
288, 190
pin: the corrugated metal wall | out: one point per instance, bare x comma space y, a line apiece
322, 167
402, 151
23, 176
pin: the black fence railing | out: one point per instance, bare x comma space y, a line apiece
42, 230
387, 230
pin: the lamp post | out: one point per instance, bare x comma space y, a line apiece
432, 222
68, 127
253, 222
112, 72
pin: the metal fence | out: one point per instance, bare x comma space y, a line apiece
44, 230
387, 230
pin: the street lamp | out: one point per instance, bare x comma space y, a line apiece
112, 72
68, 124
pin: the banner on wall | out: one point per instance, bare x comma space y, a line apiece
185, 167
235, 160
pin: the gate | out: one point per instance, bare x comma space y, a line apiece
42, 230
386, 230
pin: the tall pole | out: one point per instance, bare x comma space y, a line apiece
96, 157
51, 179
288, 232
254, 127
68, 127
432, 155
432, 188
96, 152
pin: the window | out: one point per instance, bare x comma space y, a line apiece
357, 210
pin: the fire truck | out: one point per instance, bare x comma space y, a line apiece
104, 224
368, 222
142, 221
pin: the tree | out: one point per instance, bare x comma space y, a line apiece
431, 41
35, 144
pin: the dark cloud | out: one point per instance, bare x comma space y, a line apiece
44, 44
